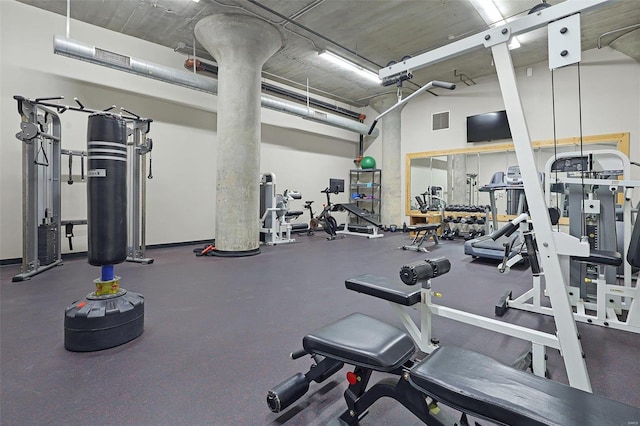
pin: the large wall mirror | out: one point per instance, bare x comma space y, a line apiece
455, 176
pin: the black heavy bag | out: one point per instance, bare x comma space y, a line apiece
107, 189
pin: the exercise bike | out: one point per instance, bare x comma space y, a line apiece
327, 221
314, 223
324, 220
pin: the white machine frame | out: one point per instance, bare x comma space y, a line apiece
423, 335
554, 246
605, 311
280, 230
375, 233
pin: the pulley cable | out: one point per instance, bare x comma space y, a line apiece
555, 139
583, 222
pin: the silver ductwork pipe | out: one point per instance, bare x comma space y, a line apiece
77, 50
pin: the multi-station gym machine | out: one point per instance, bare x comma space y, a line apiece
40, 132
116, 145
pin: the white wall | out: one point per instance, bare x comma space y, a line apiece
181, 199
302, 154
610, 83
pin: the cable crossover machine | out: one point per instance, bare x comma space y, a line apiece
41, 134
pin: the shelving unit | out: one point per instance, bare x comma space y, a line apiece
366, 183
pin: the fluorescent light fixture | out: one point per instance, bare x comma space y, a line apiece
346, 64
489, 11
514, 44
195, 1
492, 17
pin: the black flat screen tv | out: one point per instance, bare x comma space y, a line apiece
488, 127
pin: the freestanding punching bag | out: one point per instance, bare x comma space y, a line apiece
107, 189
111, 315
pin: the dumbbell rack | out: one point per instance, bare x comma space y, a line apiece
449, 226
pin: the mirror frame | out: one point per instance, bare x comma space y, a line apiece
622, 140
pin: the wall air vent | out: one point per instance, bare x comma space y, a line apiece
113, 58
320, 115
440, 120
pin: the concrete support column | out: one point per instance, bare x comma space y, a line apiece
457, 179
241, 44
392, 210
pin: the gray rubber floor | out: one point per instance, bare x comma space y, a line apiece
218, 333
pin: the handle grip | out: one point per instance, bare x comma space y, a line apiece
297, 354
70, 181
373, 126
150, 175
505, 258
509, 228
82, 167
506, 230
53, 98
444, 84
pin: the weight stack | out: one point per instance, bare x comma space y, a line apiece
47, 244
109, 316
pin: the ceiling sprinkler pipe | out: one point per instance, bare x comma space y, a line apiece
74, 49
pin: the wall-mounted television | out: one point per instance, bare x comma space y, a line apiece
488, 127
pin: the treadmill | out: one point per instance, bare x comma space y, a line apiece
484, 247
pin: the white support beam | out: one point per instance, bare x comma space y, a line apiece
519, 26
546, 238
524, 333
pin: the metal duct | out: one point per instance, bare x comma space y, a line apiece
74, 49
213, 69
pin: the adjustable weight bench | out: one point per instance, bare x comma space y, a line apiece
422, 232
466, 381
370, 231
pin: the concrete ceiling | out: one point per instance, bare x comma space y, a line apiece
369, 32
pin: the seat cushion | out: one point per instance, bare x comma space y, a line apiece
292, 213
424, 227
363, 341
601, 257
479, 385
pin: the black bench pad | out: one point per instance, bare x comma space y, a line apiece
362, 341
424, 227
362, 214
477, 384
292, 213
382, 288
601, 257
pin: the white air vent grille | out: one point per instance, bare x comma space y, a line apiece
320, 115
440, 120
113, 58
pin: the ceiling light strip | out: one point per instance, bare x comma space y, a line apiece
492, 16
348, 65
